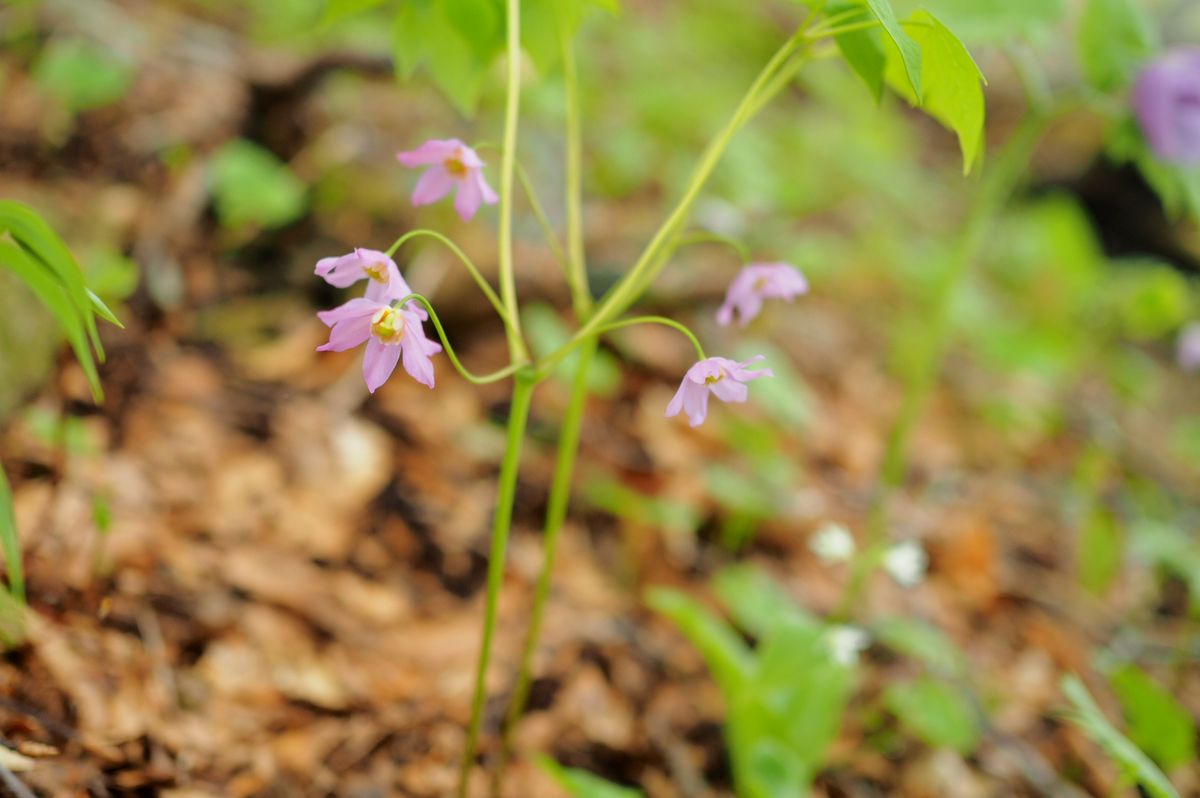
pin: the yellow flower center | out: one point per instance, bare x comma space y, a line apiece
714, 378
455, 167
760, 283
377, 271
387, 326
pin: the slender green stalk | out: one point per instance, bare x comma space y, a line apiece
649, 263
508, 160
994, 192
480, 280
10, 542
539, 213
581, 293
556, 513
522, 393
546, 366
710, 237
467, 375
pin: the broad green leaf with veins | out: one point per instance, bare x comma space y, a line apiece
951, 83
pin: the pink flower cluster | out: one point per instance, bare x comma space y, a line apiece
395, 334
391, 333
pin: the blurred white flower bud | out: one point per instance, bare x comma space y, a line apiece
906, 562
833, 543
845, 643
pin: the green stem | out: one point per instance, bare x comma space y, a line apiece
581, 294
994, 192
467, 375
539, 213
830, 32
480, 280
546, 366
556, 513
522, 394
649, 263
508, 157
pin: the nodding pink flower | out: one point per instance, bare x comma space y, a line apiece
1187, 348
724, 378
755, 283
389, 333
1166, 99
452, 164
385, 283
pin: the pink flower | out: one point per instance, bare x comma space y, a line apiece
385, 281
1166, 100
390, 333
1187, 348
757, 282
724, 378
451, 164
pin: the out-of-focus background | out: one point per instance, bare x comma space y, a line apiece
249, 578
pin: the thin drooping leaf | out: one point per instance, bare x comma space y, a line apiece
54, 296
730, 661
38, 238
9, 541
581, 784
1136, 765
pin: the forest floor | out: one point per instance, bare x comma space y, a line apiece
248, 578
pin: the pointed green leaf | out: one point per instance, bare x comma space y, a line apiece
730, 661
909, 50
52, 294
1136, 765
952, 85
1158, 723
581, 784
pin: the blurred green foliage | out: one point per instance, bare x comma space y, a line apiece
254, 189
81, 75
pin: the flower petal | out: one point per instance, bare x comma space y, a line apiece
469, 198
433, 185
379, 362
730, 390
341, 271
431, 152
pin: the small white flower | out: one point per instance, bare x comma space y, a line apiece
906, 562
845, 643
833, 543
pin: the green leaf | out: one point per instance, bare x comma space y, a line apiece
581, 784
409, 39
1100, 550
1114, 39
456, 67
917, 639
936, 712
254, 188
36, 237
81, 76
728, 658
54, 296
340, 10
756, 601
1135, 764
998, 21
9, 542
908, 49
1158, 724
479, 22
951, 83
865, 55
